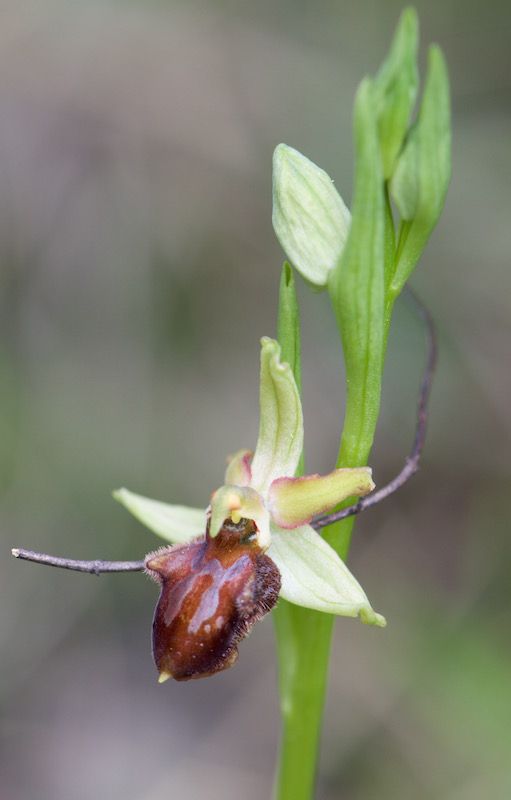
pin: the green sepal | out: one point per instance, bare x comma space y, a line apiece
315, 577
175, 524
280, 440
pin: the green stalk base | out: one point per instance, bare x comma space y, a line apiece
303, 645
303, 640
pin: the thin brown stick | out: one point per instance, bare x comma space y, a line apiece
412, 462
410, 468
92, 567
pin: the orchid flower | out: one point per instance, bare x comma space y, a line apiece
257, 521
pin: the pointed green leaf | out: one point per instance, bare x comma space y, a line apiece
309, 217
176, 524
356, 287
314, 576
422, 174
396, 89
280, 439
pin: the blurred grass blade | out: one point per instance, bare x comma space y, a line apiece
396, 89
422, 174
356, 287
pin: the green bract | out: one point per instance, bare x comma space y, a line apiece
396, 90
356, 287
310, 218
422, 174
281, 505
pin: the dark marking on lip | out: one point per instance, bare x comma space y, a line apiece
213, 591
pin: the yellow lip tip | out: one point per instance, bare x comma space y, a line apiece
164, 676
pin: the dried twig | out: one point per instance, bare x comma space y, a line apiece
93, 567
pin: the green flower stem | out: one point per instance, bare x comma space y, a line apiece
303, 648
412, 165
303, 636
357, 292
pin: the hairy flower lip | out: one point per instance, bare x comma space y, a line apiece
212, 592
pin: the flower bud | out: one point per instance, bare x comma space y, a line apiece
310, 218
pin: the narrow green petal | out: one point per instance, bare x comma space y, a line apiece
280, 441
236, 503
314, 576
238, 471
309, 217
294, 501
176, 524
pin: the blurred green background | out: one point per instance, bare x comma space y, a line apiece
138, 271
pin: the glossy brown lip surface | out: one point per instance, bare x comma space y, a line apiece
212, 593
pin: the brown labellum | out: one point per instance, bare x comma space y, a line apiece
212, 592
